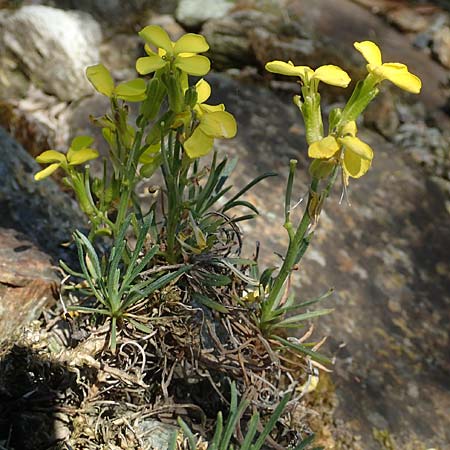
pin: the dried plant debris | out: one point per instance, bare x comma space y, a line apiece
62, 376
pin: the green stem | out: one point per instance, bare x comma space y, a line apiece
298, 244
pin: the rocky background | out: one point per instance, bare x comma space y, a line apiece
385, 253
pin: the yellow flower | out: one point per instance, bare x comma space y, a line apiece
79, 152
182, 53
101, 79
329, 74
355, 156
214, 122
395, 72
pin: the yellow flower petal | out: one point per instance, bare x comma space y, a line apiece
51, 156
191, 43
349, 129
354, 166
333, 75
370, 51
149, 64
101, 79
199, 144
44, 173
149, 51
81, 142
288, 68
357, 146
325, 148
156, 36
193, 65
400, 76
219, 124
81, 156
133, 90
203, 90
204, 108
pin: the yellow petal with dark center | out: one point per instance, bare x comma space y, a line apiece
325, 148
349, 129
203, 90
149, 64
287, 68
218, 124
400, 76
357, 146
81, 142
193, 65
44, 173
156, 36
370, 51
81, 156
51, 156
199, 144
354, 166
191, 43
133, 90
101, 79
332, 75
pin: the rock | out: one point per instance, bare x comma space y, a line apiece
408, 19
112, 11
38, 209
382, 114
37, 122
233, 39
194, 13
156, 434
174, 29
27, 282
441, 46
390, 245
52, 47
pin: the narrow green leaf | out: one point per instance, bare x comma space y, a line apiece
204, 300
271, 423
305, 316
214, 444
230, 166
235, 415
213, 279
251, 431
250, 185
172, 444
88, 310
303, 349
188, 433
70, 271
139, 325
113, 339
244, 203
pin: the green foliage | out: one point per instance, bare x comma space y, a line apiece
224, 432
116, 282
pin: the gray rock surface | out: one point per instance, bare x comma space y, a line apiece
50, 47
40, 210
116, 11
193, 13
386, 256
441, 46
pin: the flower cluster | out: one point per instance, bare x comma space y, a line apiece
341, 146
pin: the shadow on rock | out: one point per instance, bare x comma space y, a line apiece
32, 391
